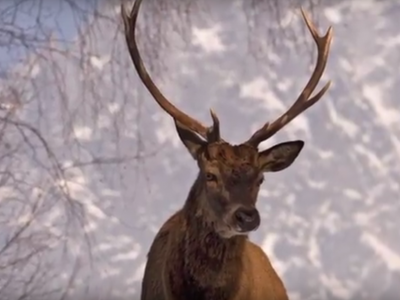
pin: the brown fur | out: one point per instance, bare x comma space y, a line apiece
189, 260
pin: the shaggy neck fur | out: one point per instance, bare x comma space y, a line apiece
205, 266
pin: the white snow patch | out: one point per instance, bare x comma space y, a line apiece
99, 62
333, 15
83, 133
389, 256
208, 39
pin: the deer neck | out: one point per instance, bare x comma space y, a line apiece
210, 264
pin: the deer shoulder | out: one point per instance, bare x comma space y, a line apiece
153, 285
260, 273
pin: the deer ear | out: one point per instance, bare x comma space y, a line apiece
280, 156
190, 139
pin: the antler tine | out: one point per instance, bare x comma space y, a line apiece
130, 25
303, 102
213, 132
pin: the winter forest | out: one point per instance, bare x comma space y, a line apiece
91, 167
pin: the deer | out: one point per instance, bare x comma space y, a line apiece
203, 251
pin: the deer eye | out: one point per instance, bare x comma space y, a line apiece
211, 177
260, 181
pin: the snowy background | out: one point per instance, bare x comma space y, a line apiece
100, 166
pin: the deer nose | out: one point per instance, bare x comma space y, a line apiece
247, 219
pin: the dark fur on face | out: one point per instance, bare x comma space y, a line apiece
230, 177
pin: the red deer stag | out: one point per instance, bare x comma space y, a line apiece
202, 252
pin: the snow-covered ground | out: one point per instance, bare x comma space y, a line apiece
329, 223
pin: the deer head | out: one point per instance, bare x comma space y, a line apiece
230, 175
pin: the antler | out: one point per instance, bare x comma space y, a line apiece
303, 102
210, 133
